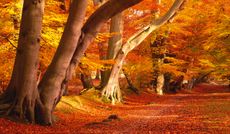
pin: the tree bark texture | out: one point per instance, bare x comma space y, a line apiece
115, 43
21, 96
93, 25
86, 77
51, 88
133, 42
158, 61
59, 72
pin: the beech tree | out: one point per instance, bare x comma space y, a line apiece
21, 94
112, 89
92, 27
157, 56
23, 99
59, 72
114, 44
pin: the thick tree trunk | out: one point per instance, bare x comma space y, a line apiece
102, 47
51, 86
115, 26
112, 90
59, 72
93, 25
115, 43
22, 93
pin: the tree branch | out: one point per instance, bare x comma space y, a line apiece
11, 43
137, 38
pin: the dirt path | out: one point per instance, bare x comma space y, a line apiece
205, 110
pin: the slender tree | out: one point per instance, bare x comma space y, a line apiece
156, 58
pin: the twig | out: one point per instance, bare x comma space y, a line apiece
11, 42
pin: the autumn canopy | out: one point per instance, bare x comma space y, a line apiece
107, 49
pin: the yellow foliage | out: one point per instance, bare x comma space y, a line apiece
93, 64
167, 68
102, 37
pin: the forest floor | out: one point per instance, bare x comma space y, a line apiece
206, 109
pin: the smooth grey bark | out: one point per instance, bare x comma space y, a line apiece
51, 86
134, 41
160, 76
158, 60
21, 93
115, 42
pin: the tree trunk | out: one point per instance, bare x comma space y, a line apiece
101, 47
115, 43
93, 25
167, 78
59, 72
51, 87
160, 76
102, 55
112, 90
23, 81
177, 84
160, 84
196, 80
22, 93
86, 77
131, 86
115, 27
97, 2
191, 83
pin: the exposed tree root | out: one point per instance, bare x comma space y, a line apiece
21, 108
113, 93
